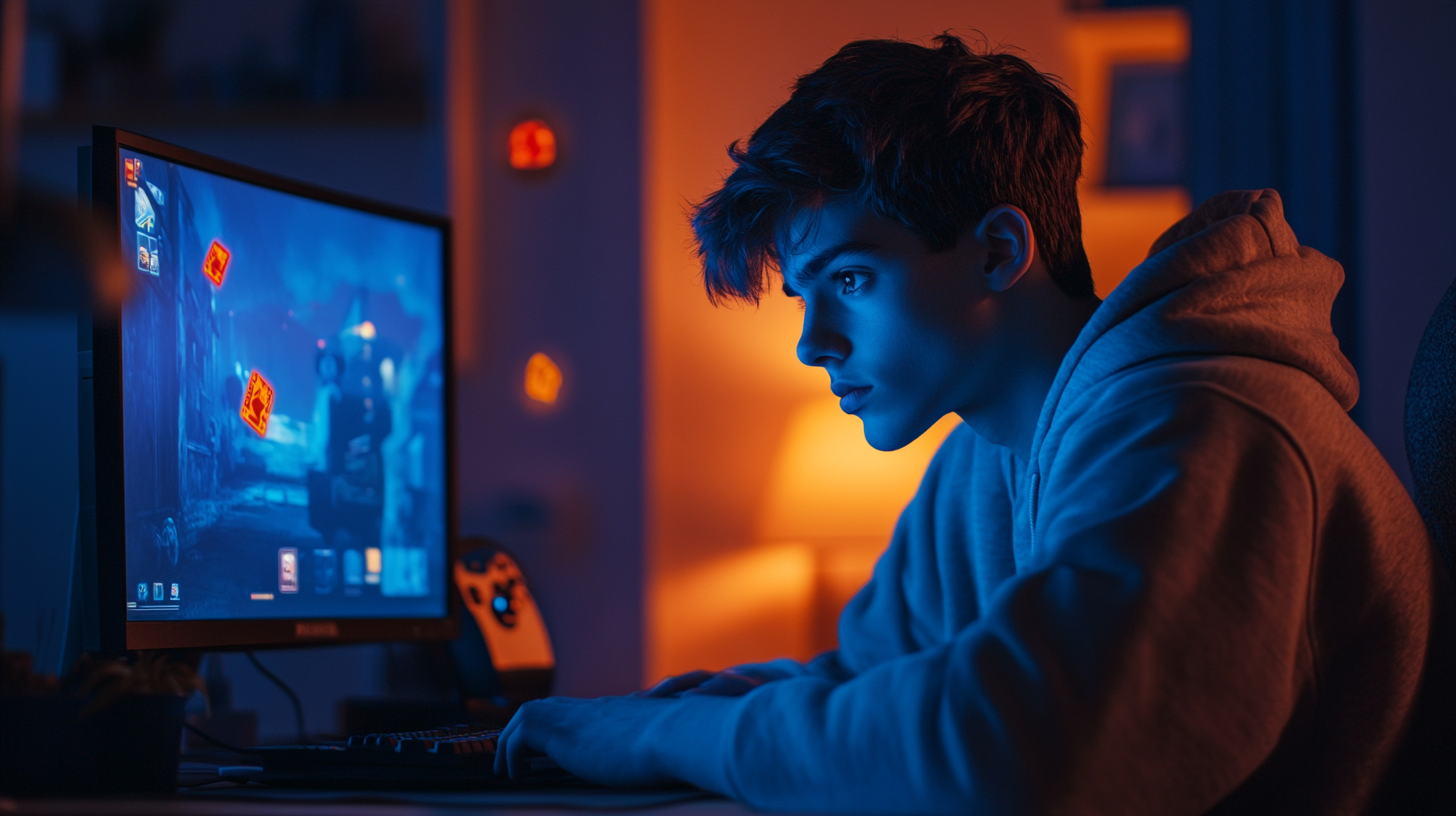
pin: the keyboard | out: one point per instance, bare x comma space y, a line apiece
460, 756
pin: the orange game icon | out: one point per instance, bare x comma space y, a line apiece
257, 404
216, 263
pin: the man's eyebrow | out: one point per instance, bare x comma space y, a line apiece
816, 264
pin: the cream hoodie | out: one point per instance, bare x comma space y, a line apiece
1205, 592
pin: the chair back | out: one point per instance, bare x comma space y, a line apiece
1430, 426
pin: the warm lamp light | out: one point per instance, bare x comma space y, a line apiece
829, 511
543, 379
829, 484
837, 499
533, 145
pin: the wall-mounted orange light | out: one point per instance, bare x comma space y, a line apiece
533, 145
543, 379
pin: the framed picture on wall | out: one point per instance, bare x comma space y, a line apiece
1145, 125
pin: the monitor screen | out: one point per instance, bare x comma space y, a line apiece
283, 404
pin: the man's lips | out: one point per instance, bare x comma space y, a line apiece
851, 397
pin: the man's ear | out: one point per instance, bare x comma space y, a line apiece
1010, 245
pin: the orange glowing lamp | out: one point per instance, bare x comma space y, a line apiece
543, 379
533, 145
257, 404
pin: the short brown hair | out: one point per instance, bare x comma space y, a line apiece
930, 137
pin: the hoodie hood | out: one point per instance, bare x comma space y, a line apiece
1229, 279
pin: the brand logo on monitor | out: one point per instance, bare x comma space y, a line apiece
316, 629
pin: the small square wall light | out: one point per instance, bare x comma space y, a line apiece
533, 145
543, 379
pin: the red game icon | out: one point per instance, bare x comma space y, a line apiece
133, 170
257, 404
216, 263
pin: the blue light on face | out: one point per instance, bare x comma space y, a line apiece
500, 604
885, 318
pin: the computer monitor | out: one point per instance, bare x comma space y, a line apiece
271, 410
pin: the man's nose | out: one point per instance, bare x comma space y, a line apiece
820, 341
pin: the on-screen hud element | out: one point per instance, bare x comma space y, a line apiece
287, 569
216, 263
257, 403
146, 214
148, 258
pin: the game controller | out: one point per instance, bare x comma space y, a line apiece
494, 590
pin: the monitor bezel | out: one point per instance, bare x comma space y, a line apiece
115, 632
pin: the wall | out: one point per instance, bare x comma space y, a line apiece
1406, 127
38, 482
1119, 224
558, 269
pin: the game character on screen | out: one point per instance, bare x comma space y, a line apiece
166, 544
328, 367
347, 474
1158, 569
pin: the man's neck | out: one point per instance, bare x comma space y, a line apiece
1043, 329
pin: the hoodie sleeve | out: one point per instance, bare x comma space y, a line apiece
1146, 661
952, 546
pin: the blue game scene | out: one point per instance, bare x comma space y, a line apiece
283, 404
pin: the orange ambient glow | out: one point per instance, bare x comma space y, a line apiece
533, 145
543, 379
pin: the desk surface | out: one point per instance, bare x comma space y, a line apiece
227, 802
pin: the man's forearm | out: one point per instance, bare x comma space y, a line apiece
690, 740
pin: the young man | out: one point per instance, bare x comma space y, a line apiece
1158, 571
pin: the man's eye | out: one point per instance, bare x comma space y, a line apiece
851, 281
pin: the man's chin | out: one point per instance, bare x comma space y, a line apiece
885, 436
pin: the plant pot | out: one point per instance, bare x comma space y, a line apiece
50, 745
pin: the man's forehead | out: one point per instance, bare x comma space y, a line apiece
812, 229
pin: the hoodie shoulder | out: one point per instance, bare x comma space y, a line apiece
1264, 208
1229, 280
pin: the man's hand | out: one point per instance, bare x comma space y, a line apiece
726, 683
602, 740
735, 681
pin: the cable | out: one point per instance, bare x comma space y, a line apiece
215, 741
297, 706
